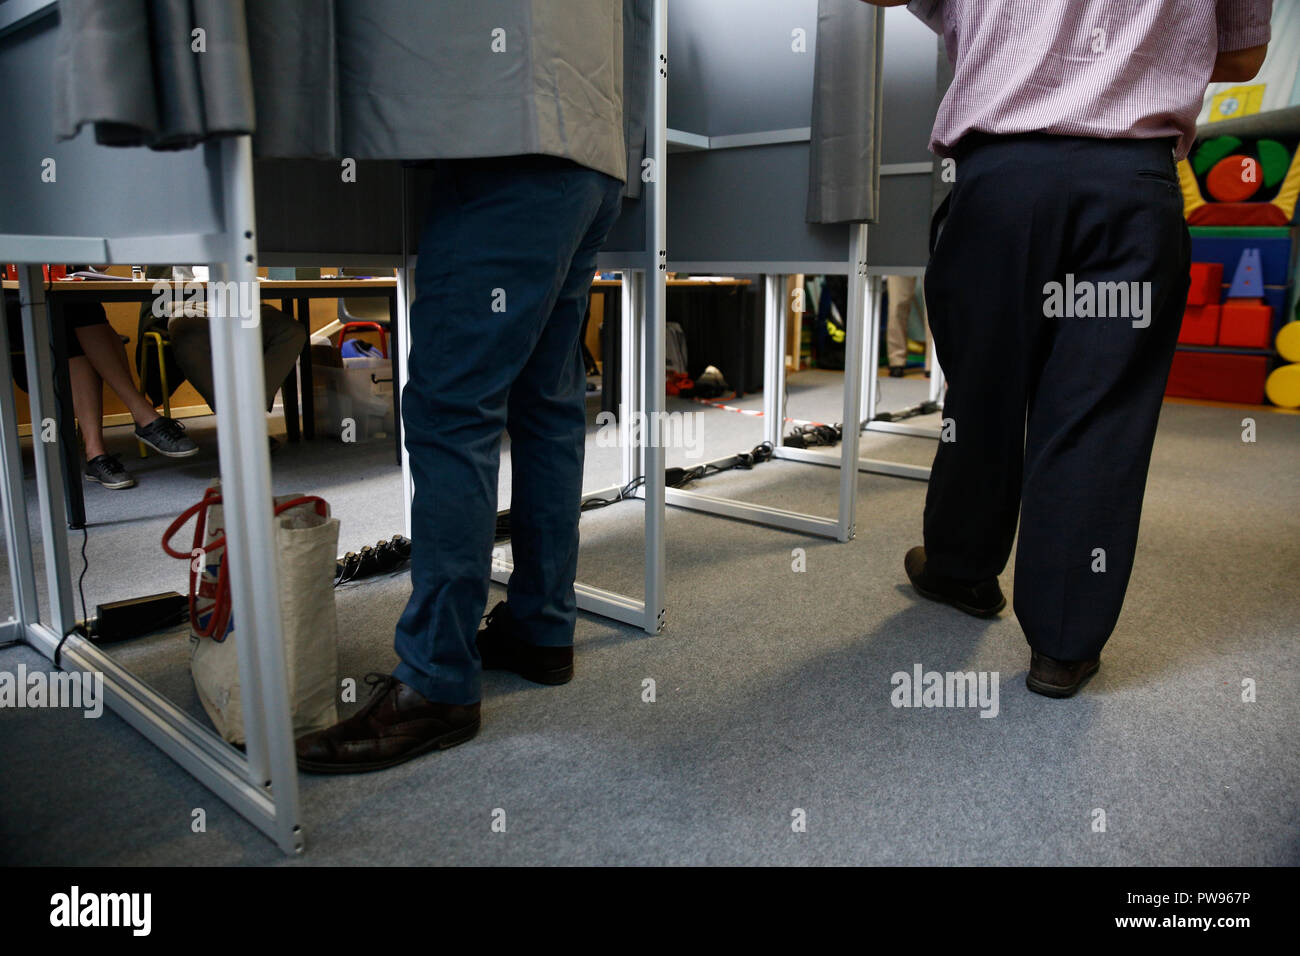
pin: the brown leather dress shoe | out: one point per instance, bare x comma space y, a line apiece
396, 724
503, 650
1053, 678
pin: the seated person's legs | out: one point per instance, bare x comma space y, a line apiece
88, 406
96, 340
283, 339
282, 342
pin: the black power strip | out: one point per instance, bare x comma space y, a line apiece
384, 557
134, 617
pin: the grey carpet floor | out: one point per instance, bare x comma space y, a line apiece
772, 686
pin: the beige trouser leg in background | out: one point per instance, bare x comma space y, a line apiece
902, 289
282, 341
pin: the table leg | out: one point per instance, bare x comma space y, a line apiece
308, 395
742, 343
611, 347
394, 343
290, 386
71, 458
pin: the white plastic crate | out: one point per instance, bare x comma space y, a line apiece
355, 401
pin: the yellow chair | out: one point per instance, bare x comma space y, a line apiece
161, 342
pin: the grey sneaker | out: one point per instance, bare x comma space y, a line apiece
167, 437
108, 471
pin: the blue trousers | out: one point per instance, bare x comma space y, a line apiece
507, 255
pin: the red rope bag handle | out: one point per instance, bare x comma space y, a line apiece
217, 623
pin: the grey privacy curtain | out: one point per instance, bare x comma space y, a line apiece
417, 79
844, 159
636, 87
369, 79
138, 71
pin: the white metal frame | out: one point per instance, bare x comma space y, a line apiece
842, 527
869, 385
261, 783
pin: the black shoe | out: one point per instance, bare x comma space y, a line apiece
897, 371
982, 599
108, 471
502, 650
396, 724
167, 437
1053, 678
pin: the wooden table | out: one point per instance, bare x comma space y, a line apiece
295, 297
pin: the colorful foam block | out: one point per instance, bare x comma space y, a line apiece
1288, 341
1207, 283
1225, 245
1274, 159
1200, 325
1246, 323
1221, 184
1218, 377
1233, 178
1247, 278
1277, 297
1283, 386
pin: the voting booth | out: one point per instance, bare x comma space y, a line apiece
763, 124
74, 200
773, 155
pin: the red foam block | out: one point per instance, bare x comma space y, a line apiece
1200, 325
1207, 284
1245, 323
1217, 377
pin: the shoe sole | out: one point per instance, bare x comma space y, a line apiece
959, 605
551, 678
1059, 691
168, 454
113, 485
445, 742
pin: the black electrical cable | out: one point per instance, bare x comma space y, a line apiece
590, 504
351, 564
811, 435
58, 648
680, 477
85, 566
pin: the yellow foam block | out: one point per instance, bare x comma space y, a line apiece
1288, 341
1283, 386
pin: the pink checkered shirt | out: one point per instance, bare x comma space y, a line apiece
1134, 69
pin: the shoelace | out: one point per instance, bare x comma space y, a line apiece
494, 619
113, 464
380, 685
171, 427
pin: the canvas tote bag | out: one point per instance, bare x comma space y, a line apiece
306, 547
